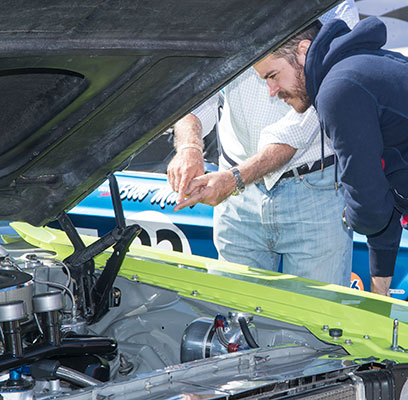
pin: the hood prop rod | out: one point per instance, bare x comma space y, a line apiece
103, 287
120, 238
117, 202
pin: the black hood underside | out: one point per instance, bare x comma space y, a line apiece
86, 84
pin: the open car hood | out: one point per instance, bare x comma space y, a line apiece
86, 84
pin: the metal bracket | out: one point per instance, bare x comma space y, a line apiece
97, 291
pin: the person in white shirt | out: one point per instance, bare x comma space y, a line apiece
288, 209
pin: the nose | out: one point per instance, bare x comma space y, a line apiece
273, 87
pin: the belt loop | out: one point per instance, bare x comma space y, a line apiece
296, 175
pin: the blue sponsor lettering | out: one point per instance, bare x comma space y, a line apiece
164, 196
135, 192
161, 195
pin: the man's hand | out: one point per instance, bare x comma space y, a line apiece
210, 189
188, 162
214, 188
185, 165
381, 285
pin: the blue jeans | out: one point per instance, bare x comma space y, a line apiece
298, 222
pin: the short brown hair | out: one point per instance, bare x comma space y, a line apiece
288, 50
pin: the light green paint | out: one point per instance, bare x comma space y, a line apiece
284, 297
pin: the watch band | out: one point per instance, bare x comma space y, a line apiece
239, 184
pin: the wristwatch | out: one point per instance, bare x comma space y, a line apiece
239, 184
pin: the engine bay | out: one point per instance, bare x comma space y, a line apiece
49, 347
71, 329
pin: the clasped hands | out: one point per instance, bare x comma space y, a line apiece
186, 176
211, 189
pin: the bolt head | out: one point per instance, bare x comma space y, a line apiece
336, 333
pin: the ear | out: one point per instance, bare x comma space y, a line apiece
302, 49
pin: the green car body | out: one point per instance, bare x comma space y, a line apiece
366, 319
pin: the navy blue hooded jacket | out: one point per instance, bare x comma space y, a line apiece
360, 92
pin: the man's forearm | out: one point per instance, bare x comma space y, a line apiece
271, 158
188, 131
188, 162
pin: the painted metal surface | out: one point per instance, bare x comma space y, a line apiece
365, 318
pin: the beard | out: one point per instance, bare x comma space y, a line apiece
298, 93
300, 89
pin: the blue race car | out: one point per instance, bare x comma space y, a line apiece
148, 200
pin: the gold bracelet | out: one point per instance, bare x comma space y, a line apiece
190, 146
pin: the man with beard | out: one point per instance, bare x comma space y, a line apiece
360, 92
293, 212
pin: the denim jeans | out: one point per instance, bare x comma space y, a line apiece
297, 223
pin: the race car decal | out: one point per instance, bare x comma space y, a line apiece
158, 231
356, 282
397, 291
162, 195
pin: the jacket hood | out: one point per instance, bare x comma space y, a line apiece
336, 41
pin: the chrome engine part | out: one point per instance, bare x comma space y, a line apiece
206, 337
16, 286
42, 273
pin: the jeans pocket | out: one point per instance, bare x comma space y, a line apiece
319, 180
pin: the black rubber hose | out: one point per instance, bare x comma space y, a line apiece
74, 346
247, 334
